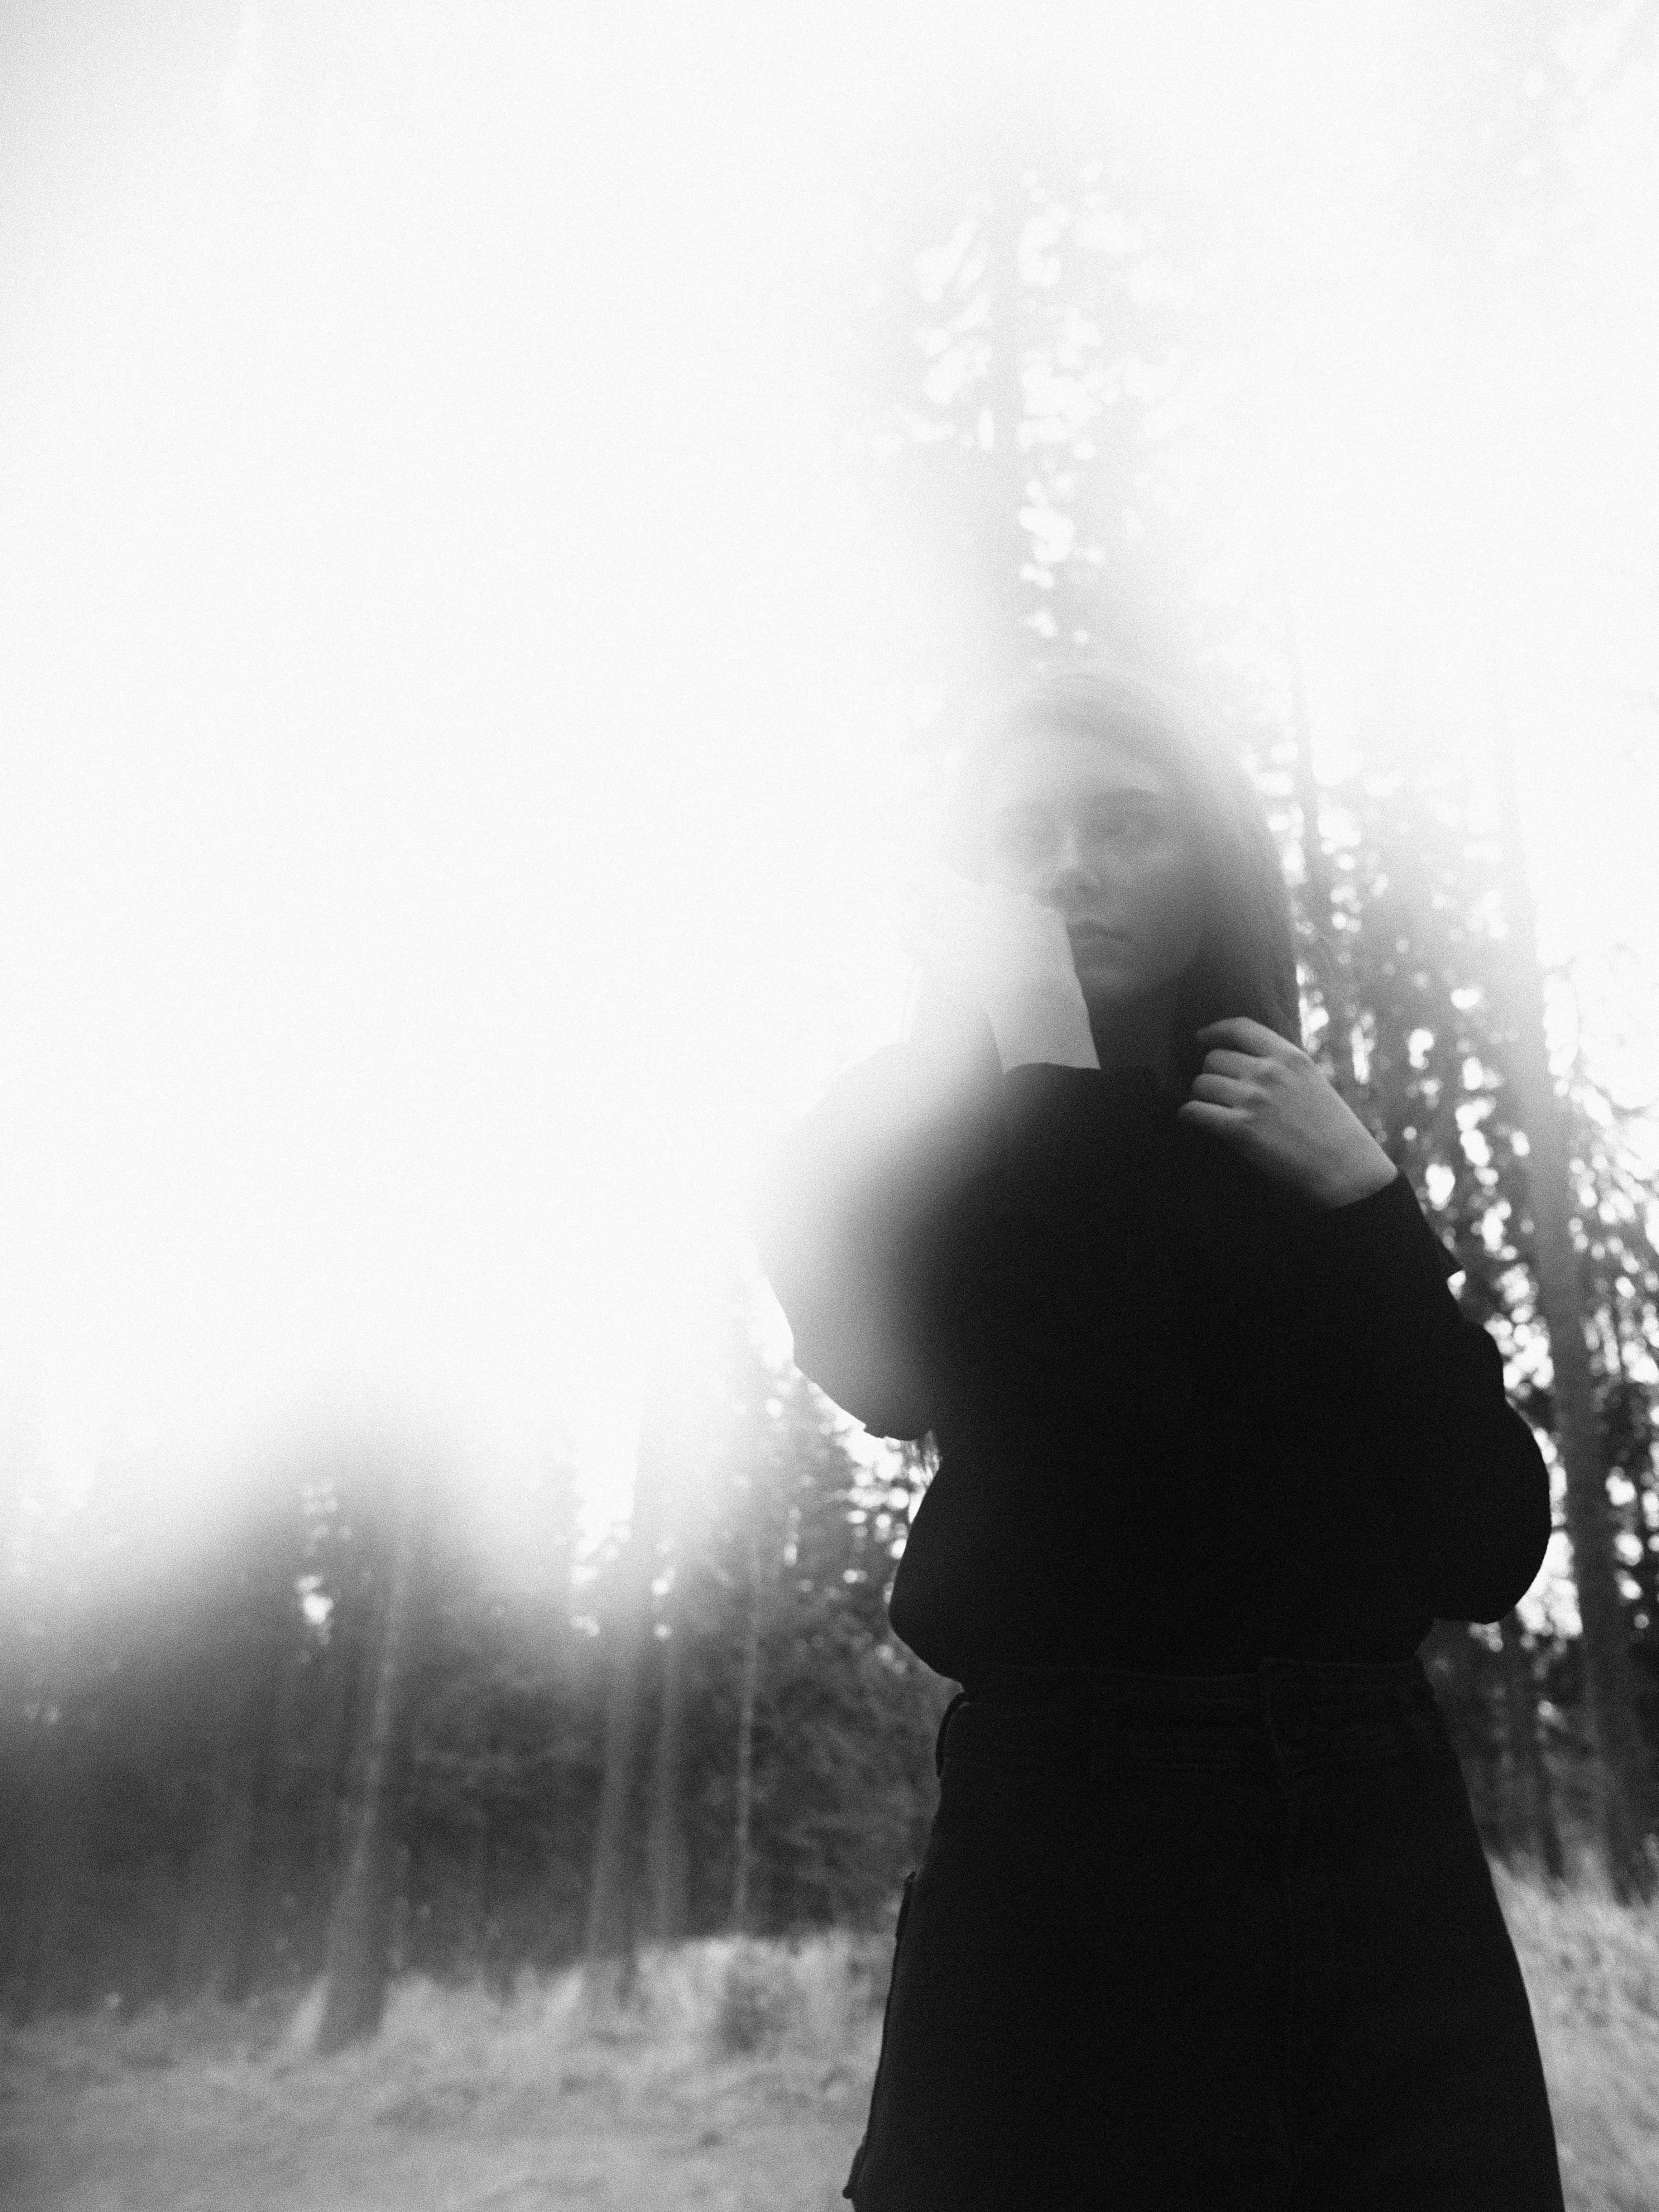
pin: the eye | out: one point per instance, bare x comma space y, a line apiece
1125, 825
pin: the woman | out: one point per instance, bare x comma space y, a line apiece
1204, 1918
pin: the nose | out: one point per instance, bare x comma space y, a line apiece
1070, 869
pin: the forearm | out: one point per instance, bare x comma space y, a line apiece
846, 1219
1424, 1383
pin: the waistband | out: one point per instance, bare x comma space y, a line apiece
1063, 1710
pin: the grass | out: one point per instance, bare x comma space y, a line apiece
1592, 1974
739, 2079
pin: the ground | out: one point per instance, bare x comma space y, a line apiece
740, 2081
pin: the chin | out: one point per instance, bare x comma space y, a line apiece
1111, 993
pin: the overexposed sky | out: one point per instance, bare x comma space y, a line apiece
450, 772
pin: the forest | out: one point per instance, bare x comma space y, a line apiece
331, 1735
337, 1734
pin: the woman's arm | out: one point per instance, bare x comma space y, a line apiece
848, 1216
844, 1218
1425, 1386
1422, 1380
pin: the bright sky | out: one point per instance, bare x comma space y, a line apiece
449, 775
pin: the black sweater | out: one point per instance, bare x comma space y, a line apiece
1187, 1420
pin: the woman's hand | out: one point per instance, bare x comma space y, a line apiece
1009, 955
1263, 1096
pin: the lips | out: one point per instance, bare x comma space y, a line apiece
1090, 936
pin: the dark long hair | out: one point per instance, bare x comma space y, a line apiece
1246, 962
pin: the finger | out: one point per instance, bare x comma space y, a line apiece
1223, 1090
1247, 1035
1238, 1064
1221, 1121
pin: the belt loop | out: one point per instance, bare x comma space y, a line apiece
939, 1742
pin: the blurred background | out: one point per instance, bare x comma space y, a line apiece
503, 513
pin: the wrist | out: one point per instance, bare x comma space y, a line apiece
1357, 1180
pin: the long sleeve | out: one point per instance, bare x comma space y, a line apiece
1185, 1417
842, 1218
892, 1194
1424, 1383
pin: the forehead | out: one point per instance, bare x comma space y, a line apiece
1053, 766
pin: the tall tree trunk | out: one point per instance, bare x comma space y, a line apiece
612, 1931
1624, 1795
1531, 1789
270, 1864
476, 1937
360, 1925
1448, 1654
54, 1803
1456, 1665
1318, 904
665, 1853
215, 1888
744, 1795
246, 1655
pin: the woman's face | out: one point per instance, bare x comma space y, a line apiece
1098, 833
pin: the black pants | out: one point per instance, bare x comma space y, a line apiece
1227, 1942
